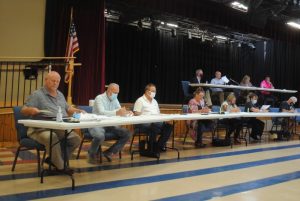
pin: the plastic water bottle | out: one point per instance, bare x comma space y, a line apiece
59, 115
185, 109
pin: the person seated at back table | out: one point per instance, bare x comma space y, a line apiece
286, 123
147, 105
266, 96
246, 82
234, 124
108, 104
256, 124
50, 98
218, 91
198, 105
198, 79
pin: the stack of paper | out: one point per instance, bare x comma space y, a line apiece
91, 117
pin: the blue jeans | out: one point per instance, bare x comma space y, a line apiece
99, 135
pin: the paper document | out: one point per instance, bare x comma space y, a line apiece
265, 107
225, 79
46, 112
91, 117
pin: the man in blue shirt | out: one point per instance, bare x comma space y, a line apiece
218, 91
108, 104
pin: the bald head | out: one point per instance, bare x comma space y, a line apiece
52, 74
52, 81
112, 86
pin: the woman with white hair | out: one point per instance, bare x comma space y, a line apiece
234, 124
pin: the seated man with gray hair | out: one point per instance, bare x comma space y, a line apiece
108, 104
287, 123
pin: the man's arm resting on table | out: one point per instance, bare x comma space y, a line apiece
137, 113
29, 111
290, 111
71, 110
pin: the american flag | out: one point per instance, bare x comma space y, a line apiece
72, 48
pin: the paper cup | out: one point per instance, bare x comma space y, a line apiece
91, 103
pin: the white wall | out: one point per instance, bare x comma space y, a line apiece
22, 28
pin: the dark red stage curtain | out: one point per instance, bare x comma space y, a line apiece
89, 79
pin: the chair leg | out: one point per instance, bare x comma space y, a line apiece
79, 149
185, 136
120, 154
16, 158
100, 152
130, 148
44, 156
38, 157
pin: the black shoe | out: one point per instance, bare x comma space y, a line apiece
254, 137
67, 171
200, 145
49, 162
237, 141
163, 149
107, 156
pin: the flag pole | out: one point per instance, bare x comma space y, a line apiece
70, 70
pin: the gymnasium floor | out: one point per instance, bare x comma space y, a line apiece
261, 171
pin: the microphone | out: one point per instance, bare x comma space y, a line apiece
235, 82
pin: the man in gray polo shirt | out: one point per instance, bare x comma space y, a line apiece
44, 103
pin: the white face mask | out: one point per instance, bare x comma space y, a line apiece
254, 102
113, 96
152, 94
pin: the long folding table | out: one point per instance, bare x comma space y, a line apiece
118, 121
242, 88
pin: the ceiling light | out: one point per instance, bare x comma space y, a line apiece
221, 37
162, 23
251, 45
294, 24
172, 25
189, 35
239, 6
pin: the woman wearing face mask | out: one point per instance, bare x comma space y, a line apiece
256, 124
234, 125
198, 105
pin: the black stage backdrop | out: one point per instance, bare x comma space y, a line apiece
135, 58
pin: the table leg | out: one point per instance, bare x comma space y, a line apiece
173, 138
65, 158
50, 157
173, 142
